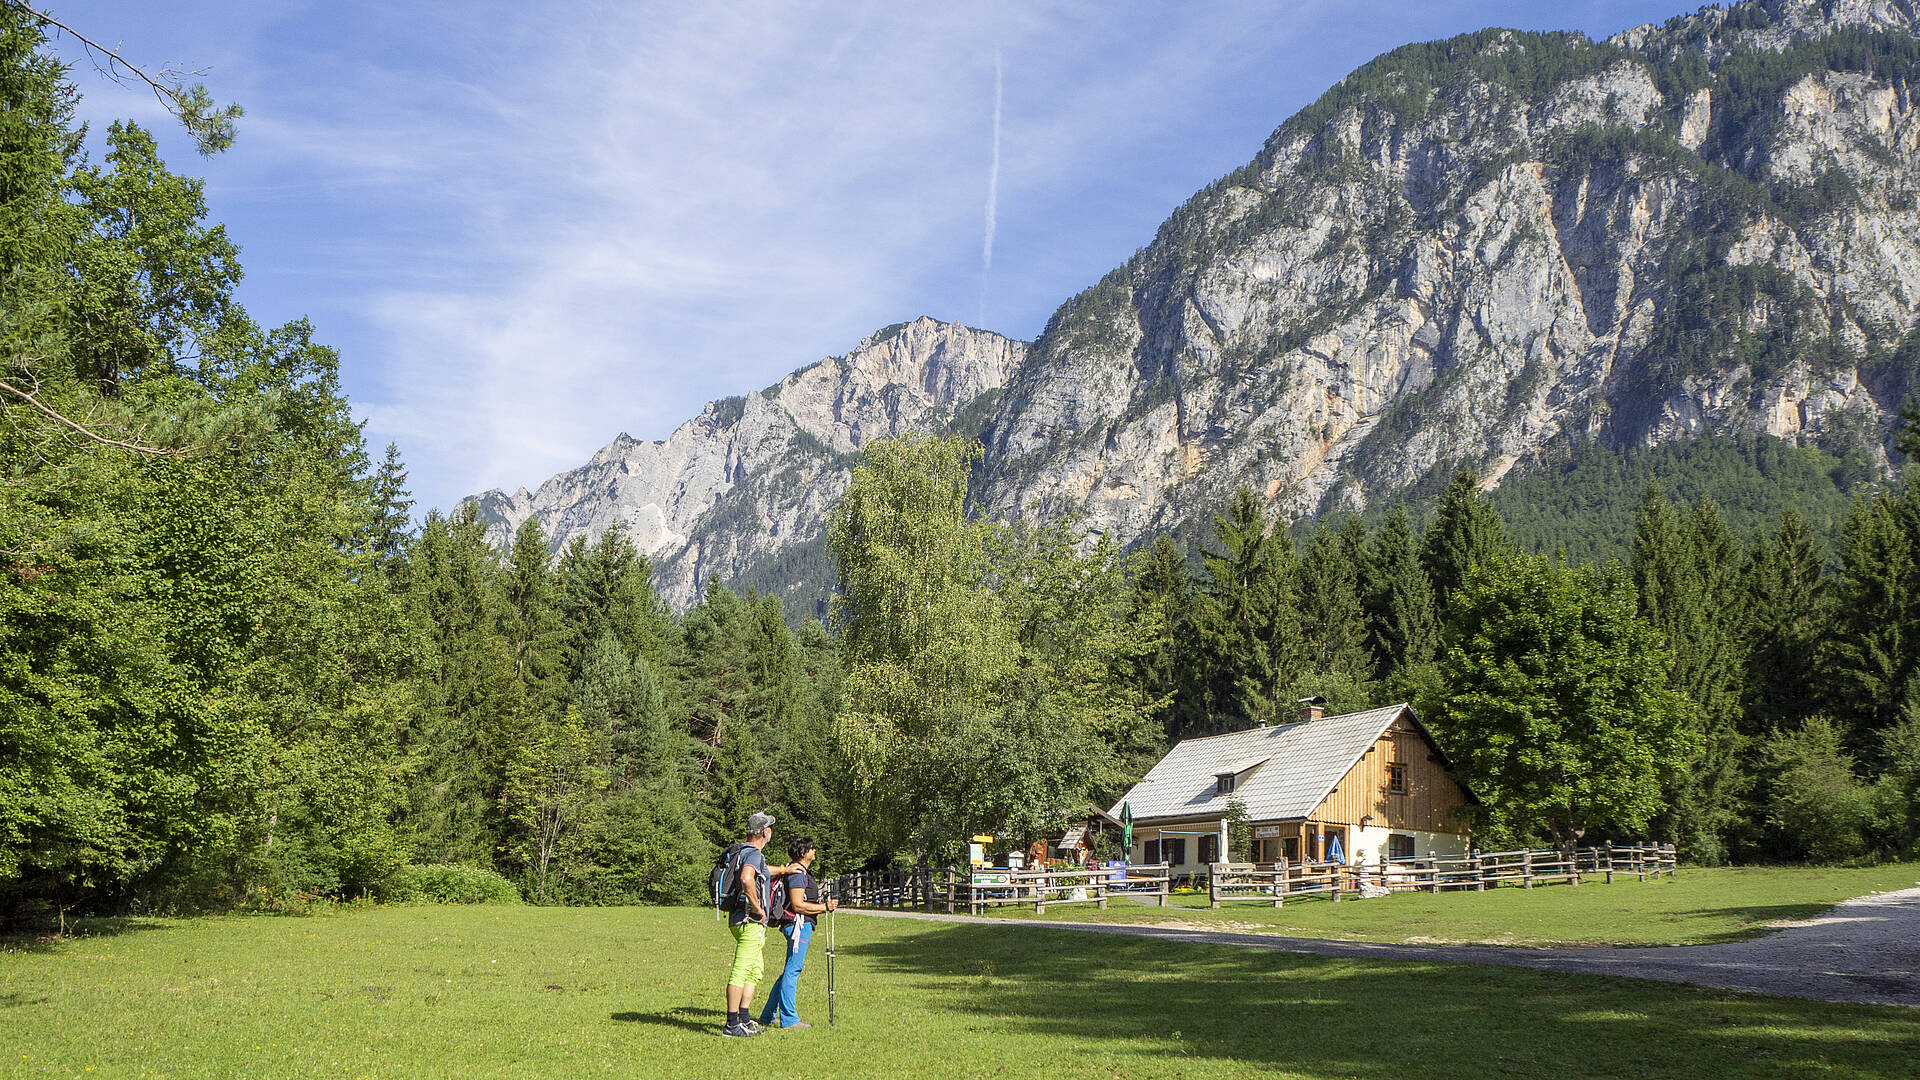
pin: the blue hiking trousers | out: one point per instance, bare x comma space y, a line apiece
783, 998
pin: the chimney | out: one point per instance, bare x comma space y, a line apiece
1316, 706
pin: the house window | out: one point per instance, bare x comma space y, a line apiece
1399, 846
1396, 779
1176, 851
1153, 852
1223, 784
1290, 848
1209, 849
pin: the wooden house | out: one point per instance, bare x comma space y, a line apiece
1366, 785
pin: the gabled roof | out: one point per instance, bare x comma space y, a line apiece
1302, 763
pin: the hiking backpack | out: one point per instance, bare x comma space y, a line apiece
777, 911
723, 884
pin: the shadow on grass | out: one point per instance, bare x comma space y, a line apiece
1376, 1018
705, 1021
78, 931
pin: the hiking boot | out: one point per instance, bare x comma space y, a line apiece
739, 1031
753, 1026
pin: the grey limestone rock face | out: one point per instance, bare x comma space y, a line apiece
1424, 272
754, 474
1467, 253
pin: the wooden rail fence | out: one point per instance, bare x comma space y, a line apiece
957, 889
1275, 883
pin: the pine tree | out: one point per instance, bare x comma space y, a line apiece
1332, 619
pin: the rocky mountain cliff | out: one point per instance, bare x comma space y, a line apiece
751, 477
1478, 251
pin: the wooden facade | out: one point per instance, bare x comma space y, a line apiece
1397, 799
1431, 801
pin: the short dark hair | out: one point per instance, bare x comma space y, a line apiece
798, 847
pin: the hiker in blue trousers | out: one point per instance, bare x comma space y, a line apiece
802, 905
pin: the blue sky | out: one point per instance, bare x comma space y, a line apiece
531, 226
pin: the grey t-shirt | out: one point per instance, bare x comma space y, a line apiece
752, 856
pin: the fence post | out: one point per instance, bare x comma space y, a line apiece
1479, 874
1609, 856
1526, 869
1213, 883
1573, 868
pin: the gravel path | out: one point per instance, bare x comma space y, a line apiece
1864, 950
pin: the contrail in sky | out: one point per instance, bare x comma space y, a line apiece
993, 193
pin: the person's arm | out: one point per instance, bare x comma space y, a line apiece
799, 903
751, 892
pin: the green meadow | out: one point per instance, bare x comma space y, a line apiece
1695, 907
510, 991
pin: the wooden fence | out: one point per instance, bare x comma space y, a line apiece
956, 889
1275, 883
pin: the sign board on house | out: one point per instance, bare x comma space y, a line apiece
1265, 832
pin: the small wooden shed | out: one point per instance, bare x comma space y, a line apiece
1367, 785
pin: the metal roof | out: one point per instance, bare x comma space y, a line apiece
1303, 762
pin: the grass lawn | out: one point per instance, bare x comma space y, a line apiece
1696, 907
403, 992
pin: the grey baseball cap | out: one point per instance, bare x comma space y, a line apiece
759, 823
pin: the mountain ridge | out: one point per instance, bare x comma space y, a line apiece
1467, 252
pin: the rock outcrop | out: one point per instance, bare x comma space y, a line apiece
753, 475
1468, 252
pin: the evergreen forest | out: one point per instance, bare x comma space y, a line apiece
237, 673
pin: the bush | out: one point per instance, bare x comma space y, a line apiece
451, 883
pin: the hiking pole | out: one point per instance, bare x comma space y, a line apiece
830, 944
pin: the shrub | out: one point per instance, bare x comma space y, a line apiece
451, 883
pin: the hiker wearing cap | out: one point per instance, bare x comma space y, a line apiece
748, 922
801, 905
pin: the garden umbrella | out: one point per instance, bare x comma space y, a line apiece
1126, 828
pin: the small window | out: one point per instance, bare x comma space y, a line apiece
1153, 852
1176, 851
1209, 849
1399, 846
1223, 784
1396, 779
1290, 848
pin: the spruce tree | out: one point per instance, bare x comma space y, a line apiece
1871, 660
1160, 597
1402, 619
1466, 532
606, 587
390, 525
530, 619
1785, 592
471, 722
1332, 620
1246, 622
1685, 570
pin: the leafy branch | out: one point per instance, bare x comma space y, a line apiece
211, 124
